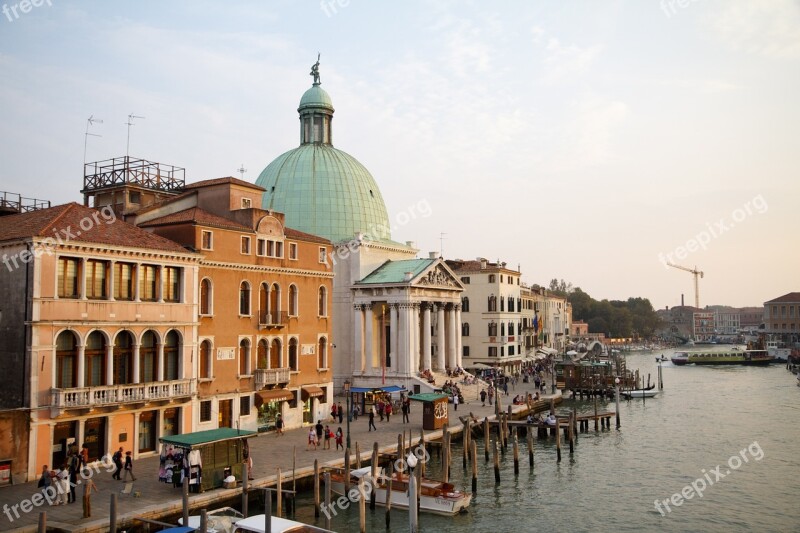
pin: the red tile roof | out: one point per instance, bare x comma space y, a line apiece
219, 181
195, 215
792, 297
303, 236
76, 223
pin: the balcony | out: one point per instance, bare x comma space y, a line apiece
111, 395
271, 376
273, 320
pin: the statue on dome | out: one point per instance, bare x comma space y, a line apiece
315, 71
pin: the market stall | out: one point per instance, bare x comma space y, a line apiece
434, 409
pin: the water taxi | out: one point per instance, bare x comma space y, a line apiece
728, 357
435, 497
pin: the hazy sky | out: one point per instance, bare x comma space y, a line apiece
588, 141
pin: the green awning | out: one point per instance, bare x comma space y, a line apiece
199, 438
427, 397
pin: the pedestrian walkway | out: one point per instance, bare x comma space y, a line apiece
152, 499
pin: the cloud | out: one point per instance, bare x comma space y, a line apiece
768, 28
560, 61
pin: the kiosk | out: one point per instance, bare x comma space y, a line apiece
434, 409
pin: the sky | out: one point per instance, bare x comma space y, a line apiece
581, 140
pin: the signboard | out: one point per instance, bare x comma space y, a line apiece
308, 349
226, 354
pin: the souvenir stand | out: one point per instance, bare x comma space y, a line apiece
205, 457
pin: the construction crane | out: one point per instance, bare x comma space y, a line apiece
696, 281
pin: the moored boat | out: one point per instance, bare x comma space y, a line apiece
220, 520
257, 524
727, 357
640, 393
436, 496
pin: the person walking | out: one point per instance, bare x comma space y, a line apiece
117, 459
318, 428
404, 410
483, 397
328, 435
341, 412
74, 466
372, 419
128, 467
279, 425
45, 480
334, 412
339, 438
88, 487
388, 410
312, 439
62, 484
490, 394
455, 402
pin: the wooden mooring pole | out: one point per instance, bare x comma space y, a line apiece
446, 456
388, 492
327, 500
474, 457
204, 521
571, 433
358, 456
486, 438
279, 495
113, 512
316, 488
529, 439
515, 446
374, 473
496, 457
346, 471
43, 522
362, 506
558, 440
184, 502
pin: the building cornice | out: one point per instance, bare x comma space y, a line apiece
266, 269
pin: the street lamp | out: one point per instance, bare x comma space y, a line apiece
349, 411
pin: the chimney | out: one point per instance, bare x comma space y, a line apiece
408, 276
681, 300
433, 255
483, 263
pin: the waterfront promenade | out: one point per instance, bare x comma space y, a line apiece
269, 453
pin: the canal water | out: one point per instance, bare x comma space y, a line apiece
704, 418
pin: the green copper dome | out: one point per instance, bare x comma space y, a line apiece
322, 190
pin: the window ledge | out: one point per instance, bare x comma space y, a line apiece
205, 380
244, 376
323, 369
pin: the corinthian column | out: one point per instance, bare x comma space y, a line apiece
451, 338
426, 336
440, 347
358, 325
368, 340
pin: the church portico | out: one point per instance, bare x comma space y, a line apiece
401, 307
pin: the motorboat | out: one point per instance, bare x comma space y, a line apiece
220, 520
639, 393
257, 524
727, 357
435, 497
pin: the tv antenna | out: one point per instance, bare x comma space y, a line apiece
128, 143
89, 121
241, 170
441, 244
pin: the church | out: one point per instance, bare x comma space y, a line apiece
394, 314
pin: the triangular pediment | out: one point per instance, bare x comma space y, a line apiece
438, 275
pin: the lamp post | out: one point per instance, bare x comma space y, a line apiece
349, 411
616, 383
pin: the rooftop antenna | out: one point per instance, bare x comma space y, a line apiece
89, 121
241, 170
128, 143
441, 244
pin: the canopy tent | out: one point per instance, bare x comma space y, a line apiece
199, 438
478, 366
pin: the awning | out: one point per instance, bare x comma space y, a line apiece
387, 388
274, 395
312, 391
547, 351
428, 397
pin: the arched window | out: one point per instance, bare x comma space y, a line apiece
95, 355
502, 329
493, 329
171, 356
244, 357
275, 303
66, 360
275, 356
123, 358
322, 353
294, 364
148, 353
262, 354
205, 360
323, 302
206, 297
263, 304
465, 304
244, 299
293, 300
465, 329
492, 303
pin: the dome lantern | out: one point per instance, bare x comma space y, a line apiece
316, 112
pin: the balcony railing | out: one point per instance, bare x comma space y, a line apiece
273, 320
107, 395
272, 376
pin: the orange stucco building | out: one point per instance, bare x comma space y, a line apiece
264, 292
97, 334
